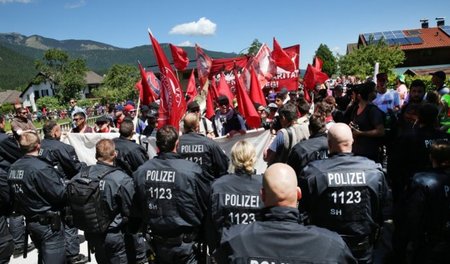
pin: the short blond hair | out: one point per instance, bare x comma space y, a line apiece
105, 150
28, 141
243, 156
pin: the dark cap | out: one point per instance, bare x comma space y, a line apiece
102, 119
440, 74
223, 100
152, 113
292, 92
144, 108
193, 106
119, 107
382, 75
284, 91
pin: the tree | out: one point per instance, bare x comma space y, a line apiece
68, 75
253, 49
48, 101
361, 62
329, 61
119, 83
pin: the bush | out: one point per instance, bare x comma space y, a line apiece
50, 102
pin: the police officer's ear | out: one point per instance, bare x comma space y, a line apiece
299, 194
176, 145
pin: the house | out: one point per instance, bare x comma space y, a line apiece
48, 88
426, 47
9, 96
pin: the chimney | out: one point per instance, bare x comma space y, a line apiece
440, 21
424, 23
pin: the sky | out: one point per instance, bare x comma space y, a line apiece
227, 26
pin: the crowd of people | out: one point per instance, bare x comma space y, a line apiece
332, 164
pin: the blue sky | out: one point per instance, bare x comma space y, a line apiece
228, 26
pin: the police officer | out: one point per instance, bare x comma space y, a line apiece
129, 154
6, 240
200, 149
234, 197
346, 193
425, 228
39, 192
65, 160
173, 194
117, 190
129, 157
279, 237
314, 148
9, 153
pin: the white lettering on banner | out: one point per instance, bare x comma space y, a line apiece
241, 200
160, 176
336, 179
192, 149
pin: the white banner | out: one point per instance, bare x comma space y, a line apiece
84, 144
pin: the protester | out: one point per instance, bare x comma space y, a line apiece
386, 99
21, 123
226, 121
205, 125
80, 125
290, 134
438, 81
130, 112
402, 90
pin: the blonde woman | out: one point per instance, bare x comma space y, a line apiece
235, 197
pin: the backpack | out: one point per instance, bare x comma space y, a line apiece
90, 212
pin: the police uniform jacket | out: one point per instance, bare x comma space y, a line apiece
279, 238
5, 207
235, 199
130, 155
205, 152
314, 148
427, 210
173, 193
62, 156
345, 193
37, 186
9, 151
117, 191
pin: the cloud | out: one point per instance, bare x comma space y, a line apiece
203, 27
74, 5
15, 1
186, 43
335, 49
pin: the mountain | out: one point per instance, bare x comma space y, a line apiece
18, 53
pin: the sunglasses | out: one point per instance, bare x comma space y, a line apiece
72, 102
76, 119
23, 113
194, 110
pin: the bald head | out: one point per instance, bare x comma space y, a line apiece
340, 138
280, 186
191, 123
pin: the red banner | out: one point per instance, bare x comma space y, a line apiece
285, 78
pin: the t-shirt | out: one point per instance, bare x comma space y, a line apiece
389, 100
402, 92
367, 120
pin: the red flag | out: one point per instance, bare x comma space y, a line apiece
224, 89
204, 63
256, 93
180, 58
281, 58
146, 93
311, 79
172, 106
210, 102
318, 63
191, 89
245, 105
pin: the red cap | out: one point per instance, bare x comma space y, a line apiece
128, 108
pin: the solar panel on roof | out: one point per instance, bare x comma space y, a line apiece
390, 42
402, 41
398, 34
446, 29
415, 40
388, 35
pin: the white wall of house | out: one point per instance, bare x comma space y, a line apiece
36, 91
